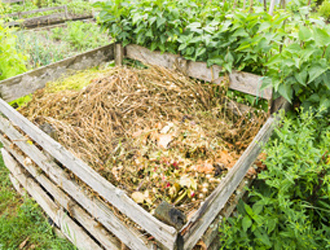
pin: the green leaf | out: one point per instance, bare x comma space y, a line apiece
200, 51
314, 98
327, 53
263, 237
264, 26
271, 225
246, 223
182, 46
315, 71
160, 21
153, 46
257, 208
322, 38
301, 77
305, 34
286, 91
248, 210
240, 32
325, 102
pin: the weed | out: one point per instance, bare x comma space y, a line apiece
22, 218
289, 209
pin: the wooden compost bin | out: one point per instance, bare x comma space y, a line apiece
89, 222
45, 20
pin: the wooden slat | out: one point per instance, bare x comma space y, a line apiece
199, 223
239, 108
70, 229
24, 84
119, 54
162, 232
213, 231
18, 187
241, 81
39, 20
98, 209
65, 201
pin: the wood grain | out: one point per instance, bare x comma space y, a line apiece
24, 84
99, 210
201, 220
119, 54
241, 81
69, 228
66, 202
162, 232
95, 207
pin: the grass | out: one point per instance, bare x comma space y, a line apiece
51, 45
75, 7
21, 219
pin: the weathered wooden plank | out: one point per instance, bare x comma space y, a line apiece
239, 108
279, 103
70, 229
213, 231
87, 221
199, 223
241, 81
24, 84
39, 20
98, 209
163, 233
119, 54
18, 187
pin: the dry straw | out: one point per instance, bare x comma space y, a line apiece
153, 132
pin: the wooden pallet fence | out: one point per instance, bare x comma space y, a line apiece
242, 81
70, 229
43, 161
26, 83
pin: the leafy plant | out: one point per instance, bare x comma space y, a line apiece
324, 9
292, 51
75, 7
11, 62
22, 219
302, 68
289, 209
207, 32
83, 36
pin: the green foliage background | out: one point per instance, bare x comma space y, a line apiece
289, 49
290, 207
11, 62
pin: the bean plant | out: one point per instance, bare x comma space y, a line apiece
290, 50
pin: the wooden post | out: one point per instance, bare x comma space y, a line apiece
251, 6
265, 5
119, 54
271, 7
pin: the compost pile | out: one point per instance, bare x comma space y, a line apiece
153, 132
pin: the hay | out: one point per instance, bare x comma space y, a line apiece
154, 133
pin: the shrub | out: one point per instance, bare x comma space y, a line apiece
11, 62
290, 208
324, 9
